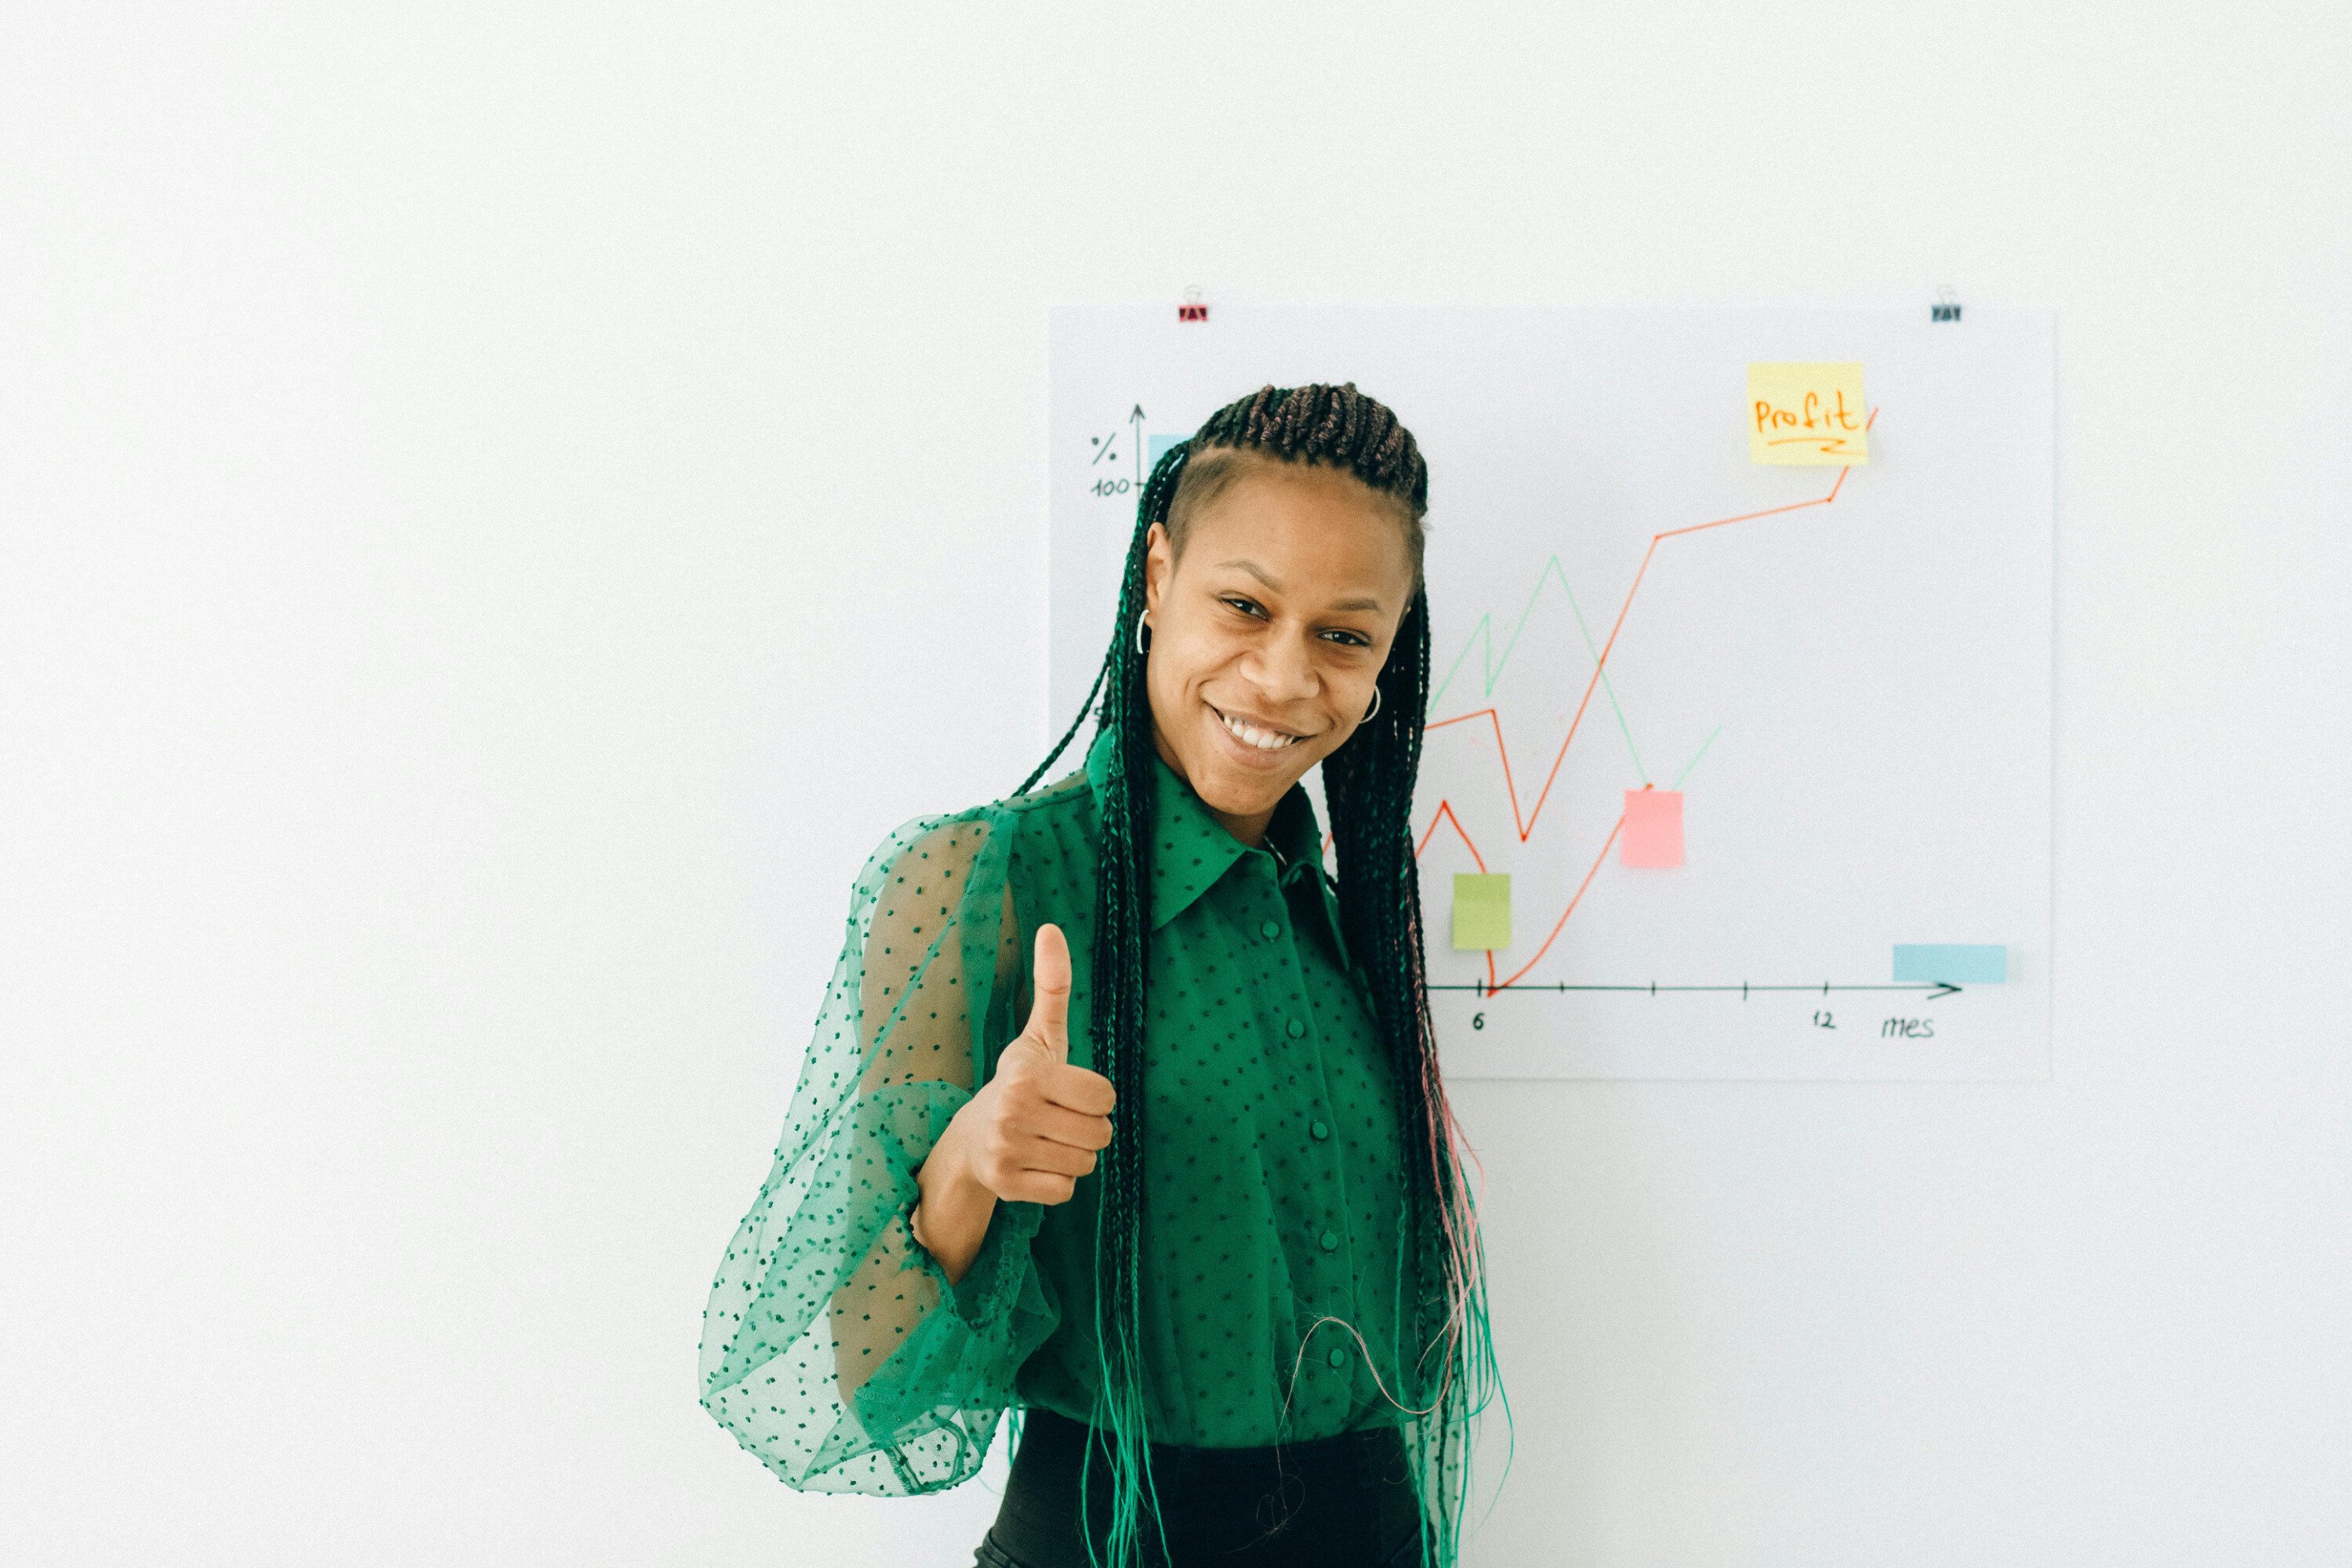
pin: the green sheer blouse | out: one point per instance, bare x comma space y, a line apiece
836, 1348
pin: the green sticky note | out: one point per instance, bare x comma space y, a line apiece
1482, 910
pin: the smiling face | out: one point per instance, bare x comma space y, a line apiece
1269, 632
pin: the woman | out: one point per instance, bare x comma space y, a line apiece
1121, 1112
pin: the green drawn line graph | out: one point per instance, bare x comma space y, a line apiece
1483, 634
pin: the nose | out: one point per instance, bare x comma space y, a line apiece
1283, 669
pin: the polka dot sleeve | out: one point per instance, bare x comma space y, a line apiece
834, 1347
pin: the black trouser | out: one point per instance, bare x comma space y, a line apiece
1329, 1502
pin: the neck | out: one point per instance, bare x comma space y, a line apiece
1249, 828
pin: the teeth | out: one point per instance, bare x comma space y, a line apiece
1263, 739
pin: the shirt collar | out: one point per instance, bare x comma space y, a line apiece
1191, 848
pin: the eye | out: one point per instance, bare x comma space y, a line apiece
1343, 636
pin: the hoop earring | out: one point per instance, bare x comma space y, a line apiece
1141, 627
1375, 707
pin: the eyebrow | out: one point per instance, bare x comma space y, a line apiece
1254, 570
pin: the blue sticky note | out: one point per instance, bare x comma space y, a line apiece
1158, 446
1952, 962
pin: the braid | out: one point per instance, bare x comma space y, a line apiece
1369, 785
1121, 936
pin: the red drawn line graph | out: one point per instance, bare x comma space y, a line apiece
1526, 824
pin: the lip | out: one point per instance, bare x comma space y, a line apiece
1248, 756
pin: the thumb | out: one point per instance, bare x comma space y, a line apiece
1049, 1014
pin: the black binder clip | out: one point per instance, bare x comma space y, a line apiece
1192, 310
1946, 307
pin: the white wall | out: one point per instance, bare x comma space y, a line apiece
499, 510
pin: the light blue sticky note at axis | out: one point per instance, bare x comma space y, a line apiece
1158, 447
1952, 963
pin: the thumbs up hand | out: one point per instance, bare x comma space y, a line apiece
1028, 1134
1036, 1124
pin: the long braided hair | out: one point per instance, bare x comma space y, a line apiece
1369, 787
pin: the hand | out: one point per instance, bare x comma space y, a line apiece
1034, 1128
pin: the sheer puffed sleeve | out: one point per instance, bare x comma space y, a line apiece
834, 1348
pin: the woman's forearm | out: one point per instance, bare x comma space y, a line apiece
951, 1218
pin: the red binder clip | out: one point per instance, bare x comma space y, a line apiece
1192, 310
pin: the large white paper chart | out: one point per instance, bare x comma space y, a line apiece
1735, 767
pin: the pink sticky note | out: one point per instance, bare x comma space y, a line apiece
1652, 835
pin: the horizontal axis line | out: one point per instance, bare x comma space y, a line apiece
1939, 986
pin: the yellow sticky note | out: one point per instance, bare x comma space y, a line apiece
1807, 413
1482, 910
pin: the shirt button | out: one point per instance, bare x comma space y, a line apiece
1330, 1241
1295, 1028
1337, 1358
1321, 1128
1271, 928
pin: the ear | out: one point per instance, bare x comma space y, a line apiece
1158, 566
